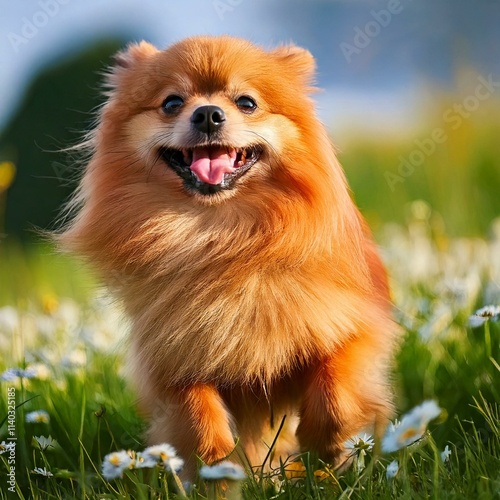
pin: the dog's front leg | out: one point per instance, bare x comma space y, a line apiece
346, 393
199, 425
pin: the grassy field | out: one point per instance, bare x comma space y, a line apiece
63, 344
60, 327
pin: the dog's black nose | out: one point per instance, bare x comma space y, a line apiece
208, 119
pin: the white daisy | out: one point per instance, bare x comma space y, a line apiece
11, 374
357, 447
75, 359
392, 469
38, 417
484, 314
394, 425
412, 427
142, 462
68, 313
115, 463
5, 447
44, 443
359, 442
445, 454
174, 464
224, 470
42, 472
9, 319
164, 452
39, 371
426, 411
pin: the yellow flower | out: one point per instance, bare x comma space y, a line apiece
7, 174
50, 303
295, 470
327, 476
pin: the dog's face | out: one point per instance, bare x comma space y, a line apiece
209, 115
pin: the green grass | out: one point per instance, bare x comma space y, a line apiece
458, 178
63, 322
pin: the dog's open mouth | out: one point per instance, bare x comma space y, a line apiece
210, 169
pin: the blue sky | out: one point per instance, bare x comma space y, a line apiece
376, 59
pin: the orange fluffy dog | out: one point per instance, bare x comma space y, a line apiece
214, 205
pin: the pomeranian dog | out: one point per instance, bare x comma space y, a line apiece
215, 208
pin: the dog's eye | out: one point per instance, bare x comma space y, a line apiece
246, 104
172, 104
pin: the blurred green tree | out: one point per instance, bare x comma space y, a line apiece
55, 112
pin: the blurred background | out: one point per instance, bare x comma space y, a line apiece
411, 93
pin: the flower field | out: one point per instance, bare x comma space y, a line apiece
70, 428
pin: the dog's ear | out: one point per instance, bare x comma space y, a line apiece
132, 54
299, 61
124, 61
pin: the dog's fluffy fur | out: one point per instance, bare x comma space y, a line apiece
268, 297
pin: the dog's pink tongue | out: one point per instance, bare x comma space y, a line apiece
210, 164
